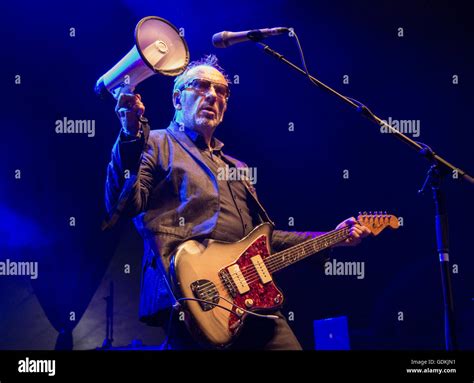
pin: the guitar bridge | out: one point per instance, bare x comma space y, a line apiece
227, 281
206, 292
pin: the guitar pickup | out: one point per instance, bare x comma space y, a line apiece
238, 279
261, 268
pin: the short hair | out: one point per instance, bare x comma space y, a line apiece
208, 60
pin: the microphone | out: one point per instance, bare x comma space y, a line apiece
226, 39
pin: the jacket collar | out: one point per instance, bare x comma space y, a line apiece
190, 139
199, 140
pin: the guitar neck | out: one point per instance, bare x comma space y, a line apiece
278, 261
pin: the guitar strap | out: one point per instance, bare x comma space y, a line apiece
251, 190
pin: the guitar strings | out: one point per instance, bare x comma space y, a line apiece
276, 260
253, 275
343, 232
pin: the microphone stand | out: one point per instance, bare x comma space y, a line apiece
439, 168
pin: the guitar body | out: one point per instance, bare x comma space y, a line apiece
228, 278
221, 283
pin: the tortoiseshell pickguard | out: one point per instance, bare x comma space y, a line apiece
265, 296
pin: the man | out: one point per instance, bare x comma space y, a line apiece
168, 180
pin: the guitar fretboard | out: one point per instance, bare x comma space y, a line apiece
278, 261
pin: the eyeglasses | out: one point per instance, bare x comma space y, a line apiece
203, 86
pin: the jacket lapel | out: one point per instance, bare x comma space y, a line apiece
183, 139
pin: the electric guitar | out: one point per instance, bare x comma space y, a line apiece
221, 283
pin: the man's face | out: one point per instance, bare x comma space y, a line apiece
203, 99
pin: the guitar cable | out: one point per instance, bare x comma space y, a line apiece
165, 344
267, 316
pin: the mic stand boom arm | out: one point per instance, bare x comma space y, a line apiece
439, 167
420, 148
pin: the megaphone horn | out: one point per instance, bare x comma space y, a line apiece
159, 48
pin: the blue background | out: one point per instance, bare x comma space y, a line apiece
300, 173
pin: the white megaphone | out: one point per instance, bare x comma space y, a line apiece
159, 48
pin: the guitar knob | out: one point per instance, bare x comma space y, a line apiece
249, 302
277, 299
239, 312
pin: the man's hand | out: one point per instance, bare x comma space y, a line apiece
357, 232
129, 108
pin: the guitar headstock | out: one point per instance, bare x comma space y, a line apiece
377, 221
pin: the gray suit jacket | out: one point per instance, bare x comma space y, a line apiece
162, 181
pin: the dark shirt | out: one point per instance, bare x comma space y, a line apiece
235, 219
